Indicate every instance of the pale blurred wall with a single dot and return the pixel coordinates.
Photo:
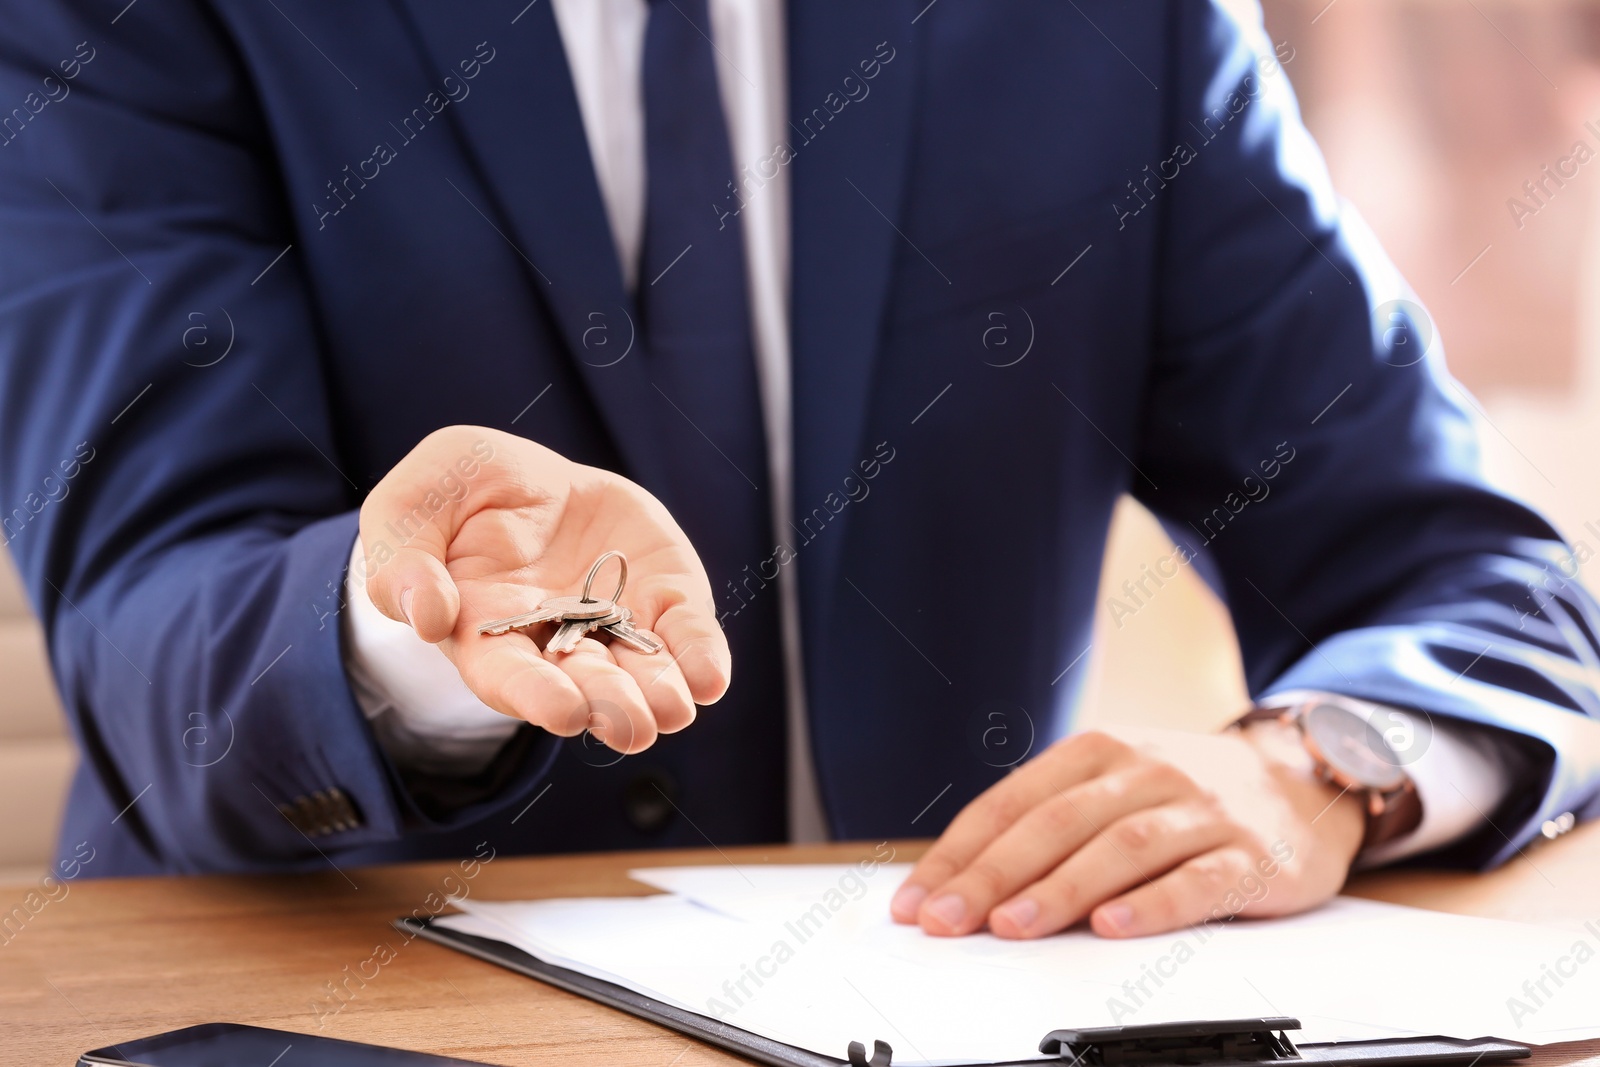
(36, 755)
(1432, 114)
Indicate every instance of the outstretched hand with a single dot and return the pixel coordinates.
(475, 524)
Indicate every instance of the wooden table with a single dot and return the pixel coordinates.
(118, 959)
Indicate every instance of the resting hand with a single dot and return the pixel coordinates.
(1140, 834)
(475, 525)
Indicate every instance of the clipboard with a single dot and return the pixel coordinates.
(1224, 1043)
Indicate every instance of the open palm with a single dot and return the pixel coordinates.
(525, 525)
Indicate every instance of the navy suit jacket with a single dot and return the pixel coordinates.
(1043, 254)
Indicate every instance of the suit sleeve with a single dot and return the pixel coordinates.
(1305, 435)
(169, 471)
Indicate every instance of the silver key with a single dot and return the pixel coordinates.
(504, 626)
(568, 634)
(571, 631)
(637, 640)
(578, 616)
(555, 610)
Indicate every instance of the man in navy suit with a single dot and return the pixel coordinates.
(333, 331)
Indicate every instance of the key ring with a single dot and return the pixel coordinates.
(622, 578)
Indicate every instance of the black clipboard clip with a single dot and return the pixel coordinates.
(1250, 1042)
(1230, 1041)
(1234, 1043)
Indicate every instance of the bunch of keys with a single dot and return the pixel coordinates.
(578, 616)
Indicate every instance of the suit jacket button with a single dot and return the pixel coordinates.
(648, 801)
(322, 812)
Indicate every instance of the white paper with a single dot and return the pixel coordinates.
(809, 956)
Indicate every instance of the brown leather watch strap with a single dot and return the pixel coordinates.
(1400, 812)
(1261, 713)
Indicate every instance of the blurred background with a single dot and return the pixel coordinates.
(1433, 115)
(1437, 117)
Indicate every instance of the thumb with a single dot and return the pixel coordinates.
(407, 523)
(413, 587)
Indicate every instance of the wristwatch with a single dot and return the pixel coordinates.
(1346, 750)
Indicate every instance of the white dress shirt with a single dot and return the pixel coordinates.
(424, 715)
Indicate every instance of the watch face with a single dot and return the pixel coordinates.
(1352, 748)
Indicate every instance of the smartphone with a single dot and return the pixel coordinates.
(235, 1045)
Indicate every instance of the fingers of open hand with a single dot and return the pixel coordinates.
(662, 683)
(568, 693)
(1135, 850)
(1062, 768)
(698, 648)
(509, 674)
(1214, 885)
(1060, 826)
(618, 713)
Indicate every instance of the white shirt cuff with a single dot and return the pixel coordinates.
(1460, 775)
(423, 714)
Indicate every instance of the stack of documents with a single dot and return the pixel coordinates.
(808, 955)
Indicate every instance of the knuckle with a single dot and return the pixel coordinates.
(1133, 834)
(1110, 788)
(1167, 777)
(1064, 893)
(989, 877)
(1114, 792)
(1003, 806)
(1097, 743)
(1060, 816)
(1161, 904)
(1211, 873)
(936, 867)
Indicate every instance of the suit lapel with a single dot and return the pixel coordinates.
(847, 182)
(524, 131)
(523, 128)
